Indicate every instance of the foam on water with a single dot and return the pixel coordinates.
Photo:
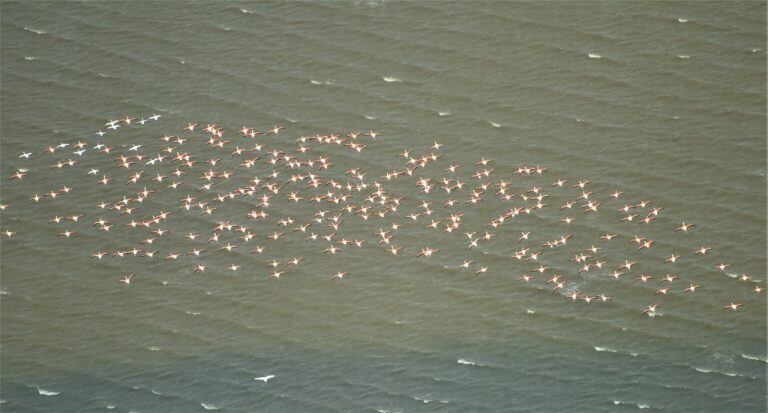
(48, 392)
(594, 56)
(390, 79)
(207, 406)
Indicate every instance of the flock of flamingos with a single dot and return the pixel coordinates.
(204, 184)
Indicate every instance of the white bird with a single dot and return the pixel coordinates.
(264, 378)
(25, 155)
(127, 279)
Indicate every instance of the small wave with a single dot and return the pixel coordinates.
(608, 349)
(444, 113)
(3, 292)
(156, 392)
(207, 406)
(192, 312)
(35, 31)
(495, 125)
(684, 56)
(244, 11)
(729, 374)
(682, 20)
(422, 400)
(370, 117)
(390, 79)
(29, 58)
(321, 82)
(467, 362)
(48, 392)
(594, 56)
(530, 312)
(638, 405)
(153, 348)
(756, 358)
(110, 406)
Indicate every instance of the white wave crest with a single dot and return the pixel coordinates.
(207, 406)
(594, 56)
(48, 392)
(638, 405)
(467, 362)
(390, 79)
(756, 358)
(29, 29)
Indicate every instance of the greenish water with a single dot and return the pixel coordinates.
(663, 101)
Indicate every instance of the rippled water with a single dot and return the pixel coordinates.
(665, 101)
